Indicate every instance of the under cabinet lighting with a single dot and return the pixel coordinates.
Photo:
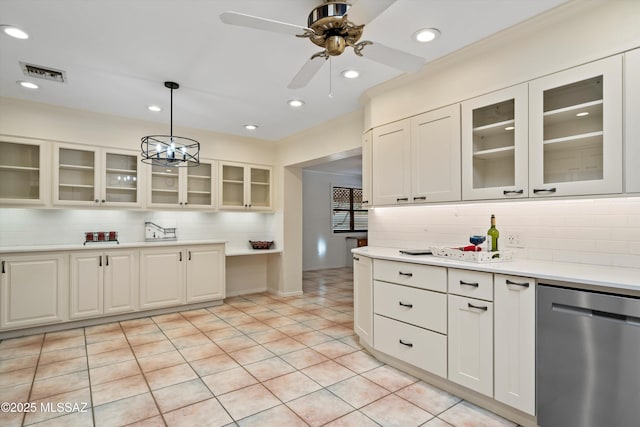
(14, 32)
(28, 85)
(426, 35)
(584, 113)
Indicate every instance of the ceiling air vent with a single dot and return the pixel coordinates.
(39, 72)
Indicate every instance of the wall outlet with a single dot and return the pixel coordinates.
(514, 240)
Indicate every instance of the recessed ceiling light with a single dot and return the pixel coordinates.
(584, 113)
(350, 74)
(28, 85)
(154, 108)
(251, 127)
(426, 35)
(14, 32)
(295, 103)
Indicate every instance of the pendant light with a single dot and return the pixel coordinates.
(170, 150)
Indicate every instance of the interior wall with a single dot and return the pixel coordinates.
(321, 248)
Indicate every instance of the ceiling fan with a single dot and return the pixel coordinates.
(333, 26)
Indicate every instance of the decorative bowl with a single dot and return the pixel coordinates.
(261, 244)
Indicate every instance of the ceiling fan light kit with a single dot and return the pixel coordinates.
(170, 150)
(333, 26)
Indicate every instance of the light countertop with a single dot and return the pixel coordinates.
(99, 246)
(585, 274)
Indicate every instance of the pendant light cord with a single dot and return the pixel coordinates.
(171, 116)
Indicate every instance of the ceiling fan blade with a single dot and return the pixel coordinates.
(365, 11)
(392, 57)
(243, 20)
(308, 70)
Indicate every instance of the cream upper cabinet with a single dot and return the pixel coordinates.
(367, 199)
(391, 160)
(515, 342)
(33, 290)
(363, 298)
(23, 171)
(575, 133)
(494, 145)
(417, 160)
(92, 176)
(245, 187)
(632, 121)
(185, 187)
(435, 156)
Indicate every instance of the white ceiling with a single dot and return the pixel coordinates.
(118, 53)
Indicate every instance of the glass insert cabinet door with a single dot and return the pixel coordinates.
(77, 176)
(121, 178)
(200, 185)
(576, 131)
(21, 172)
(260, 197)
(494, 145)
(245, 187)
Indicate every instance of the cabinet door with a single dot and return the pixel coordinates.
(22, 171)
(363, 298)
(232, 186)
(470, 343)
(205, 273)
(120, 281)
(366, 169)
(121, 179)
(435, 156)
(514, 348)
(575, 134)
(77, 175)
(33, 290)
(391, 159)
(86, 284)
(258, 188)
(495, 145)
(631, 122)
(199, 183)
(161, 277)
(163, 186)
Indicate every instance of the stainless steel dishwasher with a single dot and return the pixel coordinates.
(588, 358)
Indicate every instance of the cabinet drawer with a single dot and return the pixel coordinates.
(419, 347)
(416, 275)
(474, 284)
(416, 306)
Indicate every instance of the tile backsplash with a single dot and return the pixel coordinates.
(602, 231)
(27, 227)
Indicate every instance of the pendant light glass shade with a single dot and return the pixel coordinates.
(170, 150)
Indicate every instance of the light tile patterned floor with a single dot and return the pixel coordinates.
(257, 360)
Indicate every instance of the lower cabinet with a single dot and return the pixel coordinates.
(178, 275)
(471, 343)
(363, 298)
(102, 283)
(33, 290)
(514, 347)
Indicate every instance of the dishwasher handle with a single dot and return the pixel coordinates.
(587, 312)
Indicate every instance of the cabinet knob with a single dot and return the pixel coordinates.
(104, 201)
(97, 201)
(356, 258)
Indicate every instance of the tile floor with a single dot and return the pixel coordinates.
(256, 360)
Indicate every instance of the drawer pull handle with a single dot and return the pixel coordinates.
(405, 304)
(100, 262)
(402, 199)
(475, 284)
(544, 190)
(420, 198)
(523, 285)
(408, 344)
(356, 258)
(365, 202)
(508, 192)
(477, 307)
(405, 274)
(3, 270)
(107, 259)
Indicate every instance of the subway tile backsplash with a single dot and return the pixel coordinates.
(603, 231)
(27, 227)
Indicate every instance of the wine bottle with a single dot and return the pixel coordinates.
(492, 236)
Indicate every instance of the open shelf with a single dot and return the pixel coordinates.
(574, 142)
(494, 128)
(495, 153)
(75, 186)
(18, 168)
(76, 167)
(566, 114)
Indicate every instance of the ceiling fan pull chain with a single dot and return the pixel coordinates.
(330, 78)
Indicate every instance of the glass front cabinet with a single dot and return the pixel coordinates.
(494, 145)
(575, 134)
(23, 171)
(184, 187)
(92, 176)
(245, 187)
